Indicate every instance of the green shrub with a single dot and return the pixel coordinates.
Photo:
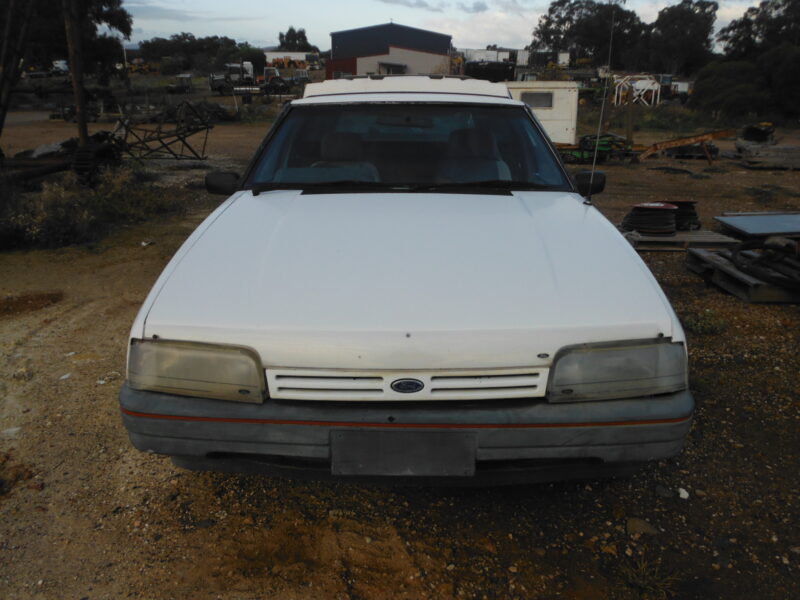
(66, 212)
(673, 117)
(780, 69)
(648, 578)
(731, 89)
(704, 323)
(669, 116)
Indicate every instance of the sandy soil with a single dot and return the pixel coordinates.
(84, 515)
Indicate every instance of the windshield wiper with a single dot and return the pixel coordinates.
(498, 184)
(319, 186)
(343, 185)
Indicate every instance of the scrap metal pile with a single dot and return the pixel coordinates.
(758, 149)
(610, 146)
(607, 146)
(168, 137)
(104, 149)
(755, 147)
(694, 146)
(758, 260)
(144, 137)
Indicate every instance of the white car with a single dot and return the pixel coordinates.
(407, 284)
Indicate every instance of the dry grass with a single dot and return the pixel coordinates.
(66, 212)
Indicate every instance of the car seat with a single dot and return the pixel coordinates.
(343, 150)
(472, 155)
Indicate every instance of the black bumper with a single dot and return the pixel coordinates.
(510, 440)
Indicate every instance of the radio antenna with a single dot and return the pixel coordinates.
(603, 105)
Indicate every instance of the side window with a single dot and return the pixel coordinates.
(542, 167)
(538, 99)
(273, 161)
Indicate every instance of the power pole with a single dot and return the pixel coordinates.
(12, 47)
(72, 25)
(629, 108)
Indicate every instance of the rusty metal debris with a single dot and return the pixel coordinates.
(608, 146)
(766, 156)
(103, 149)
(167, 137)
(701, 139)
(164, 139)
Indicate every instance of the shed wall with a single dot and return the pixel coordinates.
(415, 62)
(375, 40)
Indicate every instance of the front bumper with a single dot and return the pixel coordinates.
(510, 440)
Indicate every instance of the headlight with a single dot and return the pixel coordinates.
(607, 371)
(193, 369)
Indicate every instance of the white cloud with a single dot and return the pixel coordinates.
(147, 11)
(507, 23)
(476, 7)
(512, 6)
(728, 9)
(416, 4)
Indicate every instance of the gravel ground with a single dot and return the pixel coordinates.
(83, 515)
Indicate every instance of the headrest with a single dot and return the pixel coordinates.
(341, 146)
(472, 143)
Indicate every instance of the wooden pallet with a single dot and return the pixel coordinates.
(682, 240)
(718, 269)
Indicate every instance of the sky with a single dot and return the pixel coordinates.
(472, 23)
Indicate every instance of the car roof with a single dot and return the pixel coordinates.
(413, 98)
(406, 84)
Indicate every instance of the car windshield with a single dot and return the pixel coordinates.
(407, 145)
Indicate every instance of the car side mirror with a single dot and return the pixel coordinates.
(588, 185)
(222, 182)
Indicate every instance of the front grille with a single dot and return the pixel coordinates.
(313, 384)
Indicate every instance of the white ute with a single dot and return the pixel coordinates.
(406, 284)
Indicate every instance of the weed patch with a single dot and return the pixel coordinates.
(66, 212)
(704, 323)
(648, 579)
(668, 117)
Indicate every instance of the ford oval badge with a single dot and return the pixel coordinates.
(407, 386)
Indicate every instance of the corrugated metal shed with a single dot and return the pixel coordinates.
(376, 39)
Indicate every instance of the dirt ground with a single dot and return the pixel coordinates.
(85, 516)
(29, 129)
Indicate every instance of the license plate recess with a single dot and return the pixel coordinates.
(403, 453)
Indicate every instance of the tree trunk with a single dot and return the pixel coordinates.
(11, 54)
(71, 24)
